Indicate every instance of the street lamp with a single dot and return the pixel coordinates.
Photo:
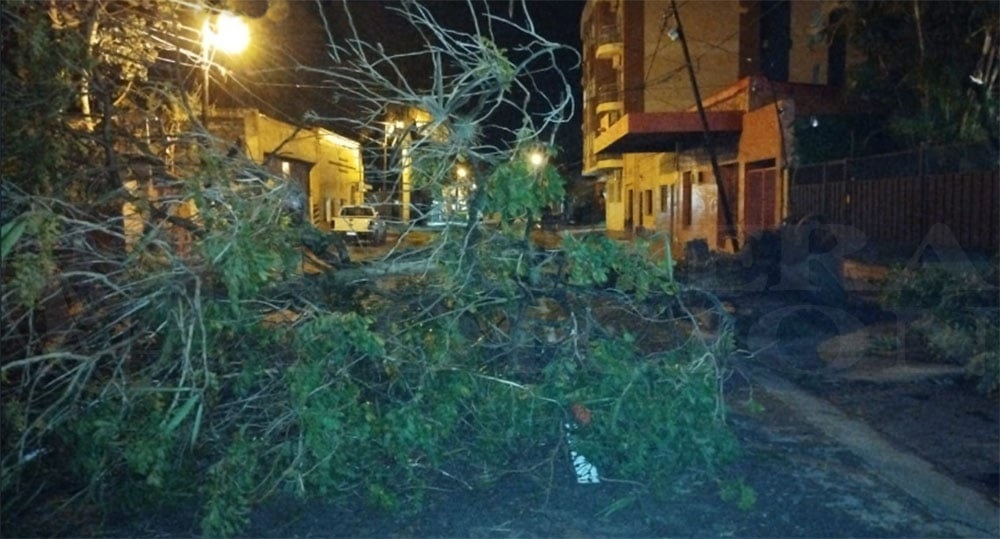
(230, 35)
(536, 158)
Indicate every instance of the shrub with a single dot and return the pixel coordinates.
(957, 314)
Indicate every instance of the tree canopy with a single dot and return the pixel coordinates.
(919, 62)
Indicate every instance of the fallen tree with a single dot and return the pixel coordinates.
(149, 363)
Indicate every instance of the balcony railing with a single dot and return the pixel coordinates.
(609, 42)
(609, 99)
(609, 92)
(609, 33)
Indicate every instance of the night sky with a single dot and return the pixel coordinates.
(287, 33)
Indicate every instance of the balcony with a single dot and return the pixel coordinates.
(608, 161)
(609, 99)
(597, 164)
(609, 42)
(660, 131)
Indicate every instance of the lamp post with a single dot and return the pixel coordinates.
(230, 35)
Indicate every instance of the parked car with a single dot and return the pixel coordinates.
(361, 223)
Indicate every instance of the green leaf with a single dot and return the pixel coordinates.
(616, 506)
(10, 233)
(180, 414)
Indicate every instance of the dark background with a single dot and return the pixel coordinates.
(288, 38)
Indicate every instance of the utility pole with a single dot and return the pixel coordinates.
(723, 196)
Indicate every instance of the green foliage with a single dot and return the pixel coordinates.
(509, 420)
(518, 190)
(38, 146)
(599, 260)
(11, 233)
(958, 315)
(135, 443)
(919, 57)
(494, 64)
(30, 261)
(652, 417)
(182, 357)
(739, 493)
(333, 413)
(230, 490)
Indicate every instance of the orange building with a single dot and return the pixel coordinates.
(763, 69)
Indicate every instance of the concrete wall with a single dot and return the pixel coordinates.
(713, 30)
(761, 136)
(614, 199)
(335, 170)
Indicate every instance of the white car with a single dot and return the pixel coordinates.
(359, 222)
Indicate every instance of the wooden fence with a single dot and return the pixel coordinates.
(905, 199)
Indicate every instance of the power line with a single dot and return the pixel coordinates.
(710, 45)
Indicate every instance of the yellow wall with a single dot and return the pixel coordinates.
(615, 199)
(713, 28)
(337, 174)
(644, 169)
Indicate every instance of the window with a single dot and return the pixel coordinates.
(664, 198)
(648, 201)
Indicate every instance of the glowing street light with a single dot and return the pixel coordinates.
(230, 35)
(536, 158)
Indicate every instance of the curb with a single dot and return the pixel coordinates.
(938, 493)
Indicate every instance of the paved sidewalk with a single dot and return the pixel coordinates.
(956, 511)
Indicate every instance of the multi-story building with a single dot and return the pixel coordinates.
(763, 68)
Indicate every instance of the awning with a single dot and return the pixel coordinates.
(660, 131)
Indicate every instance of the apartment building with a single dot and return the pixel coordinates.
(763, 68)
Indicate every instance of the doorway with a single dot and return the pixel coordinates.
(761, 197)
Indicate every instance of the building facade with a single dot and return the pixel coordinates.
(327, 166)
(763, 69)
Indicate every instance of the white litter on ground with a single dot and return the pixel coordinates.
(586, 473)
